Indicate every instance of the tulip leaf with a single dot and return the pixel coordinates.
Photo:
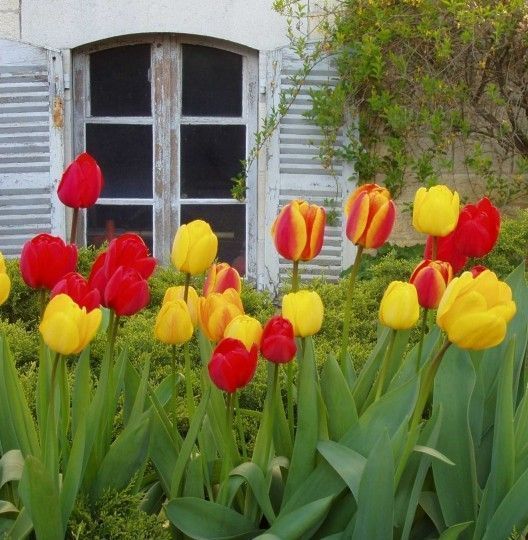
(194, 477)
(376, 490)
(11, 467)
(202, 519)
(7, 507)
(454, 531)
(22, 526)
(82, 389)
(433, 453)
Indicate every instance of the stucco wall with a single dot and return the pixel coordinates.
(70, 23)
(10, 19)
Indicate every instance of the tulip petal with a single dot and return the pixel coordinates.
(5, 287)
(60, 333)
(180, 247)
(357, 218)
(478, 331)
(381, 226)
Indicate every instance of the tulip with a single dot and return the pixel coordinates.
(304, 309)
(474, 311)
(66, 328)
(5, 282)
(278, 342)
(232, 366)
(477, 229)
(194, 248)
(78, 289)
(370, 215)
(431, 279)
(126, 292)
(173, 323)
(178, 293)
(399, 308)
(435, 210)
(81, 182)
(217, 310)
(221, 277)
(246, 329)
(447, 250)
(478, 269)
(45, 260)
(298, 230)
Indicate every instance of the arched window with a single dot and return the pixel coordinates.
(169, 119)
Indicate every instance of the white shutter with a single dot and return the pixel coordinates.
(31, 143)
(295, 170)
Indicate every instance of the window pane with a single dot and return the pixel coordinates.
(210, 157)
(229, 224)
(124, 153)
(212, 82)
(105, 222)
(119, 81)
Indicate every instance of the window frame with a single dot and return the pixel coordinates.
(166, 119)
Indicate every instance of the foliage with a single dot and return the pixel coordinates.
(428, 81)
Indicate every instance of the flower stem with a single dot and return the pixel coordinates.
(188, 382)
(422, 336)
(174, 402)
(426, 384)
(348, 305)
(240, 428)
(289, 368)
(42, 301)
(295, 276)
(75, 221)
(385, 365)
(186, 289)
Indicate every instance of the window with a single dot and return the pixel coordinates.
(169, 119)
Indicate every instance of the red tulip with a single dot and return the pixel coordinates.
(232, 366)
(477, 229)
(478, 269)
(370, 215)
(81, 182)
(221, 277)
(45, 260)
(298, 230)
(126, 292)
(278, 342)
(78, 289)
(431, 279)
(447, 251)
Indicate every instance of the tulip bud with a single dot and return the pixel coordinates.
(304, 309)
(232, 366)
(298, 230)
(126, 292)
(178, 293)
(81, 182)
(79, 290)
(194, 248)
(431, 279)
(66, 328)
(246, 329)
(370, 215)
(173, 323)
(474, 311)
(5, 282)
(45, 260)
(221, 277)
(435, 210)
(399, 308)
(278, 343)
(217, 310)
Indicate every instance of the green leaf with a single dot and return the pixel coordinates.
(11, 467)
(455, 531)
(337, 398)
(347, 463)
(37, 486)
(433, 453)
(7, 507)
(139, 401)
(201, 519)
(376, 491)
(82, 389)
(22, 526)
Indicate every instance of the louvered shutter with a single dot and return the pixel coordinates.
(31, 143)
(295, 171)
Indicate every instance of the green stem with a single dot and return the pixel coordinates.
(385, 365)
(240, 428)
(186, 288)
(75, 221)
(51, 446)
(42, 301)
(188, 381)
(295, 277)
(113, 326)
(422, 336)
(426, 385)
(174, 401)
(227, 464)
(289, 396)
(348, 305)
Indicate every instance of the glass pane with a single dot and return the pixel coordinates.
(212, 82)
(210, 157)
(119, 81)
(229, 224)
(105, 222)
(124, 153)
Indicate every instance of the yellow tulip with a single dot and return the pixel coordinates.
(5, 282)
(217, 310)
(474, 311)
(304, 309)
(177, 293)
(173, 323)
(246, 329)
(194, 248)
(436, 210)
(66, 328)
(399, 307)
